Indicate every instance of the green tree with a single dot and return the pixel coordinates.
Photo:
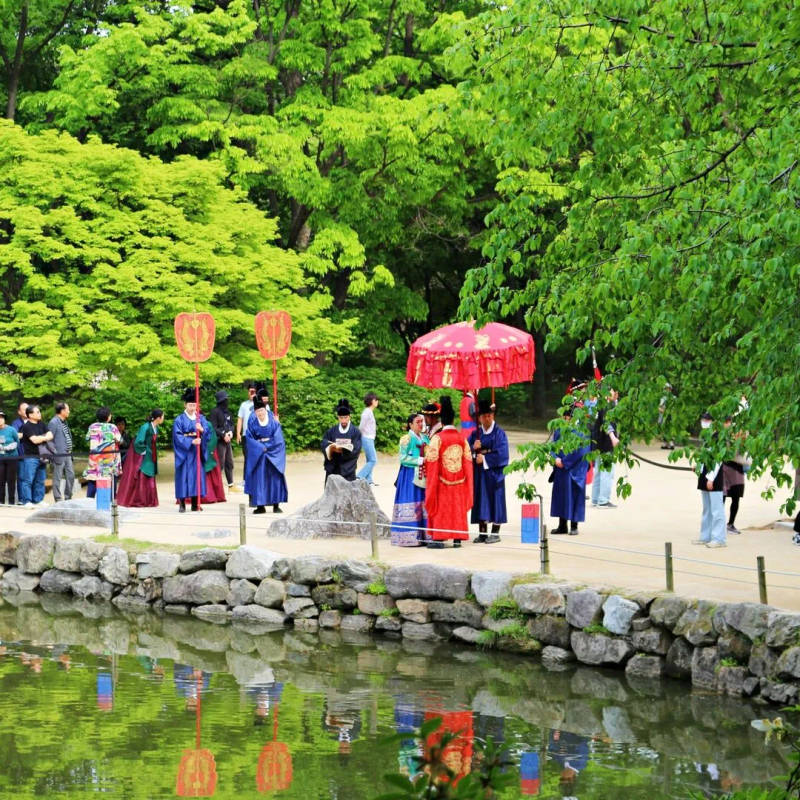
(100, 248)
(649, 194)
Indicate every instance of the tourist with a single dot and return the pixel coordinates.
(264, 477)
(369, 430)
(796, 529)
(32, 470)
(221, 420)
(709, 483)
(467, 412)
(125, 441)
(433, 423)
(489, 446)
(448, 492)
(190, 434)
(137, 486)
(733, 473)
(604, 439)
(568, 500)
(103, 437)
(242, 417)
(9, 442)
(17, 424)
(215, 491)
(341, 444)
(408, 513)
(62, 461)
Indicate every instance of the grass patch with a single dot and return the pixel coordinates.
(505, 608)
(390, 612)
(376, 587)
(486, 640)
(515, 631)
(730, 662)
(597, 627)
(142, 546)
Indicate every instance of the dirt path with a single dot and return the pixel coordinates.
(664, 507)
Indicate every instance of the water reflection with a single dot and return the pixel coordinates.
(154, 707)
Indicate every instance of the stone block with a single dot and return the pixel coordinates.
(596, 648)
(696, 624)
(114, 566)
(762, 660)
(783, 630)
(652, 640)
(56, 580)
(556, 658)
(35, 553)
(67, 555)
(15, 580)
(647, 667)
(374, 603)
(157, 564)
(414, 610)
(678, 663)
(330, 619)
(358, 575)
(540, 598)
(618, 613)
(788, 665)
(268, 618)
(335, 595)
(730, 680)
(428, 631)
(750, 619)
(490, 585)
(459, 612)
(199, 588)
(218, 613)
(313, 570)
(667, 610)
(427, 581)
(705, 665)
(270, 593)
(306, 625)
(241, 592)
(90, 556)
(300, 607)
(206, 558)
(550, 630)
(357, 623)
(388, 624)
(584, 608)
(251, 563)
(298, 590)
(8, 548)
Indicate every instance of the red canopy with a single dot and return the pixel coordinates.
(460, 357)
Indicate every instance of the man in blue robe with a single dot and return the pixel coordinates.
(264, 479)
(189, 430)
(568, 500)
(489, 445)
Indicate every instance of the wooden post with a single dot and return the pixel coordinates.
(762, 579)
(114, 518)
(668, 566)
(242, 524)
(544, 551)
(373, 533)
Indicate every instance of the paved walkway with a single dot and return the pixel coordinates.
(623, 547)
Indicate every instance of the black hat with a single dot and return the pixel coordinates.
(343, 408)
(259, 403)
(189, 395)
(486, 407)
(432, 408)
(221, 396)
(447, 415)
(706, 415)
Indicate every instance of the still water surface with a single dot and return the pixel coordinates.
(92, 702)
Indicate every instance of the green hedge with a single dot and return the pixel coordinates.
(306, 406)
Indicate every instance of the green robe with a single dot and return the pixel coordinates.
(145, 445)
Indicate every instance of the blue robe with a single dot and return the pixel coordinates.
(264, 479)
(569, 484)
(183, 431)
(488, 479)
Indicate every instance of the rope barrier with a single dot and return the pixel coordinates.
(659, 464)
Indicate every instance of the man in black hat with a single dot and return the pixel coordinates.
(189, 430)
(433, 418)
(489, 445)
(221, 420)
(341, 445)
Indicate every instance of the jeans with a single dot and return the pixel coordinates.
(712, 523)
(368, 446)
(31, 480)
(66, 473)
(602, 484)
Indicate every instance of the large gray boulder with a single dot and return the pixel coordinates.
(784, 629)
(762, 660)
(705, 667)
(459, 612)
(199, 588)
(652, 640)
(157, 565)
(788, 665)
(56, 580)
(696, 624)
(90, 557)
(540, 598)
(357, 623)
(427, 581)
(300, 607)
(597, 648)
(207, 558)
(35, 553)
(618, 613)
(67, 555)
(241, 592)
(115, 567)
(583, 607)
(252, 563)
(647, 667)
(490, 585)
(8, 548)
(343, 510)
(374, 604)
(556, 658)
(550, 629)
(666, 611)
(90, 587)
(335, 595)
(268, 618)
(414, 610)
(270, 593)
(216, 613)
(73, 512)
(751, 619)
(15, 580)
(678, 663)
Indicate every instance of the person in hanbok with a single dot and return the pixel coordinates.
(137, 486)
(408, 513)
(190, 435)
(489, 445)
(103, 438)
(215, 492)
(341, 444)
(568, 501)
(448, 492)
(264, 479)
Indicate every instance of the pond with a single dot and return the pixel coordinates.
(163, 706)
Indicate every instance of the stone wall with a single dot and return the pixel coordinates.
(739, 649)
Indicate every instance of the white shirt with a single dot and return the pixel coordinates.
(367, 425)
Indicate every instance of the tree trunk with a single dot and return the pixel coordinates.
(15, 70)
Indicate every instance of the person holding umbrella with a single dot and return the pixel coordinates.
(190, 435)
(489, 445)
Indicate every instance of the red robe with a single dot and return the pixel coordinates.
(448, 495)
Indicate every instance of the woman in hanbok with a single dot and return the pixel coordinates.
(137, 486)
(103, 438)
(409, 519)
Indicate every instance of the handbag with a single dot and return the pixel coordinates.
(46, 452)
